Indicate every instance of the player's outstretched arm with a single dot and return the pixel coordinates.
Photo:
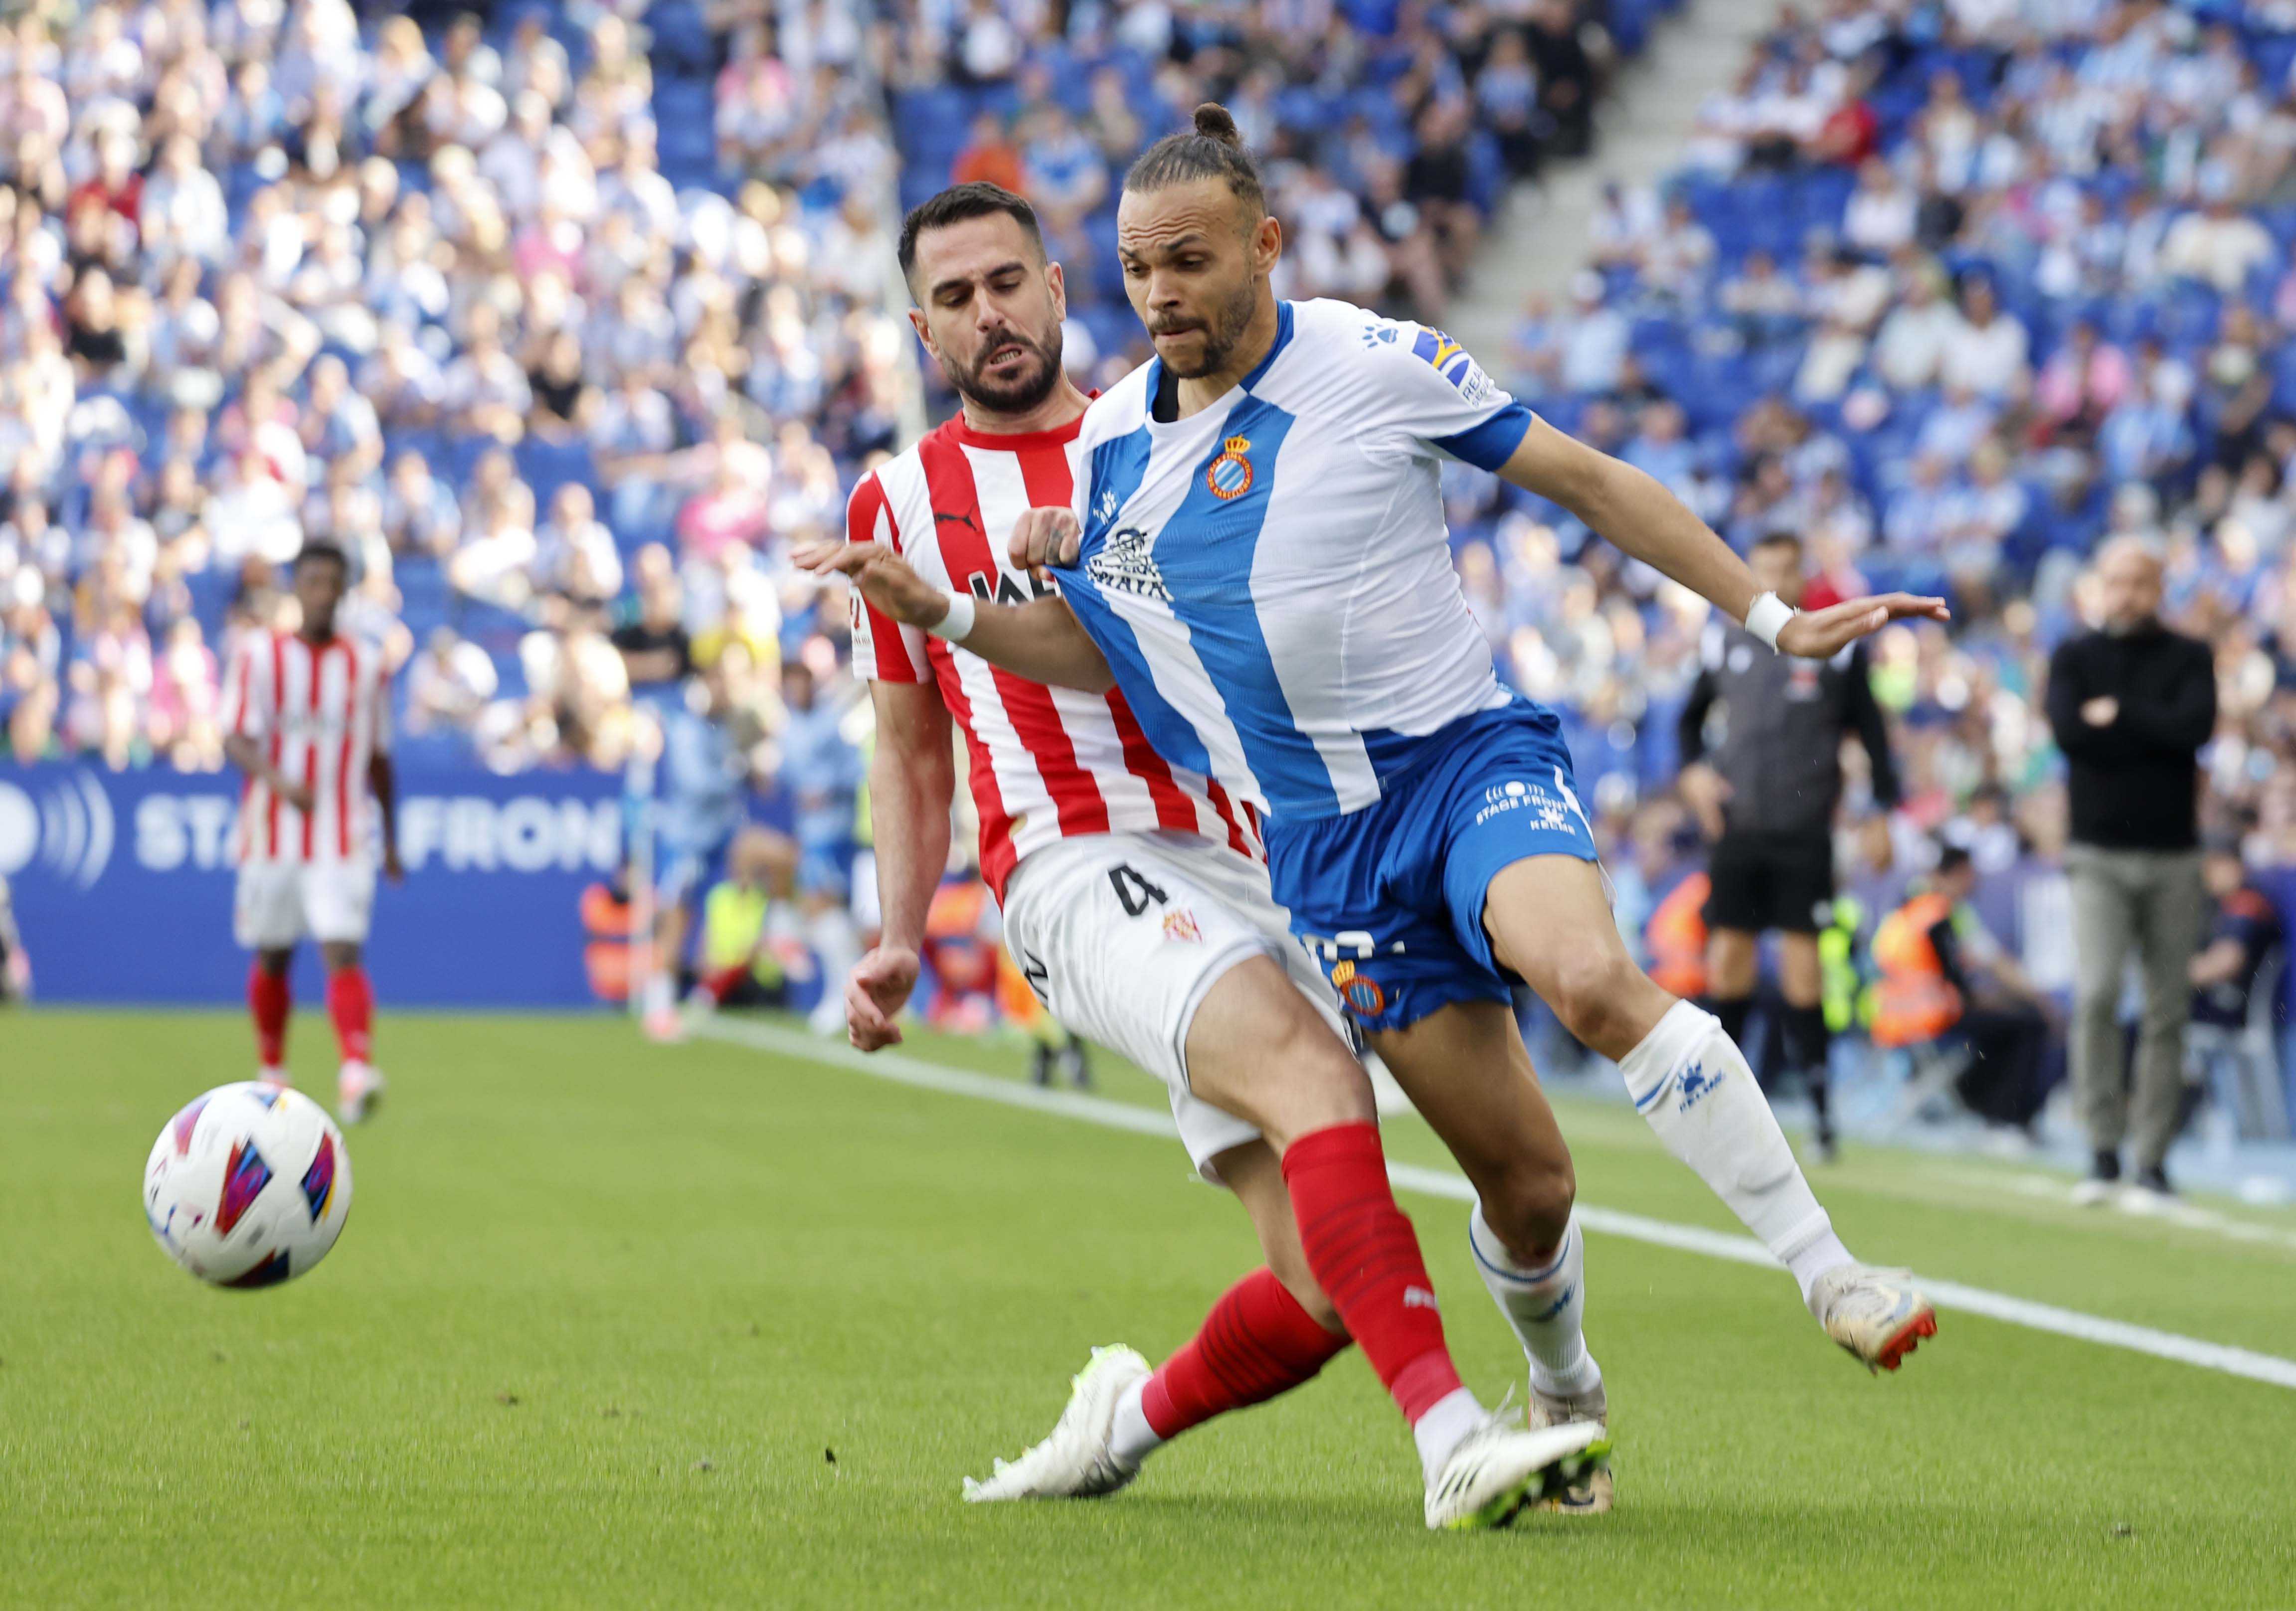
(1041, 640)
(1640, 517)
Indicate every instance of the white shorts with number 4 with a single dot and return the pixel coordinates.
(1123, 934)
(281, 903)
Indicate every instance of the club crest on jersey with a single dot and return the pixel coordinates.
(1229, 476)
(1358, 990)
(1180, 924)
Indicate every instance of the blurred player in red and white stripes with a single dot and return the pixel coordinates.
(306, 716)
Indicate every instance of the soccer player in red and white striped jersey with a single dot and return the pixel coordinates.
(1136, 902)
(306, 716)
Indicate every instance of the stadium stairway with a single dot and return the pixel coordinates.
(1540, 240)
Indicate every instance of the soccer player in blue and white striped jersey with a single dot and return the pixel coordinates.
(1257, 551)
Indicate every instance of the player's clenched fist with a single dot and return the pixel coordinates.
(1045, 536)
(885, 579)
(875, 994)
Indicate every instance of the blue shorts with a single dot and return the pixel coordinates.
(1390, 898)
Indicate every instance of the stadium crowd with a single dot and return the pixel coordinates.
(570, 321)
(483, 305)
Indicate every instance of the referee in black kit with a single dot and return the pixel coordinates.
(1765, 791)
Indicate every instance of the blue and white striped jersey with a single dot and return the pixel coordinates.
(1271, 580)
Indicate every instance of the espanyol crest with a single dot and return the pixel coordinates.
(1229, 476)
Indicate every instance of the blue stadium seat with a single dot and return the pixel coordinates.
(682, 40)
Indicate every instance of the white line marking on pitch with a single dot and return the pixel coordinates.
(903, 1070)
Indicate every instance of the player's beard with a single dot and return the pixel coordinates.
(1221, 333)
(1016, 396)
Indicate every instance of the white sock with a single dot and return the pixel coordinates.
(1693, 1086)
(1444, 1427)
(1132, 1439)
(661, 994)
(1545, 1306)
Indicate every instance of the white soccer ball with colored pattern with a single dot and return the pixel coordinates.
(248, 1185)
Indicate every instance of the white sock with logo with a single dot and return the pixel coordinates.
(1691, 1085)
(1546, 1305)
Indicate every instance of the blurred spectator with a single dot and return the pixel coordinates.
(823, 772)
(575, 553)
(449, 685)
(655, 645)
(2233, 1053)
(419, 512)
(1944, 974)
(990, 157)
(703, 772)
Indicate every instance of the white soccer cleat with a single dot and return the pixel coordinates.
(1075, 1462)
(1500, 1470)
(1589, 1492)
(1878, 1315)
(357, 1090)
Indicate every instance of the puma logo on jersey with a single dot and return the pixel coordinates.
(961, 518)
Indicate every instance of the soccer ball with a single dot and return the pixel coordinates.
(249, 1186)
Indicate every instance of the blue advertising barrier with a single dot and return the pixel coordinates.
(122, 884)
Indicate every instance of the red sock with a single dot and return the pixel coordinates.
(350, 1002)
(724, 982)
(1256, 1343)
(1366, 1258)
(267, 1001)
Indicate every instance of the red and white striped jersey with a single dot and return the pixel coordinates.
(322, 711)
(1046, 762)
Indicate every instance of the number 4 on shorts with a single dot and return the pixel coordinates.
(1134, 890)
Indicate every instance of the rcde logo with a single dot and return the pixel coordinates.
(69, 830)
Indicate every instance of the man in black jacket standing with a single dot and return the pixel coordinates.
(1765, 793)
(2131, 706)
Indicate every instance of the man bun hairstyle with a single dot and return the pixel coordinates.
(1211, 149)
(1215, 122)
(959, 203)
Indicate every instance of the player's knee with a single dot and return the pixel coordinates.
(1529, 1206)
(1316, 1081)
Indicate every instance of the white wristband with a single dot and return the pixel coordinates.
(1767, 617)
(956, 625)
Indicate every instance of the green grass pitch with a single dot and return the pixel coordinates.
(614, 1324)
